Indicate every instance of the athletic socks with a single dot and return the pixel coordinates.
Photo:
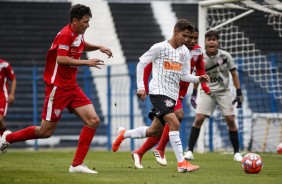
(234, 140)
(164, 139)
(194, 134)
(137, 133)
(148, 144)
(22, 135)
(84, 142)
(176, 144)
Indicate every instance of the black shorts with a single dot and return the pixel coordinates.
(163, 105)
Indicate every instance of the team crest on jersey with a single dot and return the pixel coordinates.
(57, 112)
(168, 103)
(77, 41)
(220, 61)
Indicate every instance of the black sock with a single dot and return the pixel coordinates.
(194, 134)
(234, 140)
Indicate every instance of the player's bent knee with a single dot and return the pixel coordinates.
(93, 122)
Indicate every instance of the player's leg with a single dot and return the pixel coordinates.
(32, 132)
(3, 125)
(159, 152)
(154, 130)
(205, 107)
(225, 104)
(175, 141)
(91, 121)
(3, 111)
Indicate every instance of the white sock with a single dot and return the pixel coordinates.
(137, 133)
(176, 144)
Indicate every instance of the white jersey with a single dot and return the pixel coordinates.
(169, 67)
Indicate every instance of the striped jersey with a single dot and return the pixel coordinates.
(66, 43)
(6, 72)
(169, 66)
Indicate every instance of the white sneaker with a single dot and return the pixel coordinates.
(137, 160)
(160, 157)
(238, 157)
(81, 169)
(189, 155)
(3, 143)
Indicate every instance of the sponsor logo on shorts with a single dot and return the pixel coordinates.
(168, 103)
(57, 112)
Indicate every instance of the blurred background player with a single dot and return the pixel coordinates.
(62, 90)
(7, 96)
(197, 63)
(218, 65)
(170, 65)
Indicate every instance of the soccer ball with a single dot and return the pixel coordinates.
(252, 163)
(279, 148)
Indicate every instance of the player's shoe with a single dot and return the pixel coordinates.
(119, 139)
(137, 160)
(186, 166)
(189, 155)
(81, 169)
(4, 145)
(160, 157)
(238, 157)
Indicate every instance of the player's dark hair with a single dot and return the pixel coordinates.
(212, 33)
(78, 11)
(196, 29)
(183, 24)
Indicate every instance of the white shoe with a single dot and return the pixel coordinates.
(137, 160)
(3, 143)
(238, 157)
(189, 155)
(160, 157)
(81, 169)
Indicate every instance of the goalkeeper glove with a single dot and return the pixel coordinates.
(239, 98)
(194, 98)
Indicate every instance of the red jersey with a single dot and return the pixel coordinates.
(66, 43)
(6, 72)
(195, 62)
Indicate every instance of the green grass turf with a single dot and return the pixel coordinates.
(51, 166)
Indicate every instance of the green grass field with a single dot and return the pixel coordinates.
(51, 166)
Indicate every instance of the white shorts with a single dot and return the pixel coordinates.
(206, 104)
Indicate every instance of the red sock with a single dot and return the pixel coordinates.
(164, 139)
(148, 144)
(22, 135)
(84, 142)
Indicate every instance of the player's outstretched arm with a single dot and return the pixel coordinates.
(92, 47)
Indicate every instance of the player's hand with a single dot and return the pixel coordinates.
(11, 99)
(95, 63)
(204, 78)
(141, 94)
(194, 98)
(106, 51)
(239, 98)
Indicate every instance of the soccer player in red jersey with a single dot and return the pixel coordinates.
(197, 63)
(6, 97)
(62, 90)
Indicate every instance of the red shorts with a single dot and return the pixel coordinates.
(178, 104)
(3, 106)
(57, 99)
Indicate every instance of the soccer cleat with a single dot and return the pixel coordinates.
(189, 155)
(137, 160)
(160, 157)
(3, 143)
(238, 157)
(81, 169)
(186, 166)
(119, 139)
